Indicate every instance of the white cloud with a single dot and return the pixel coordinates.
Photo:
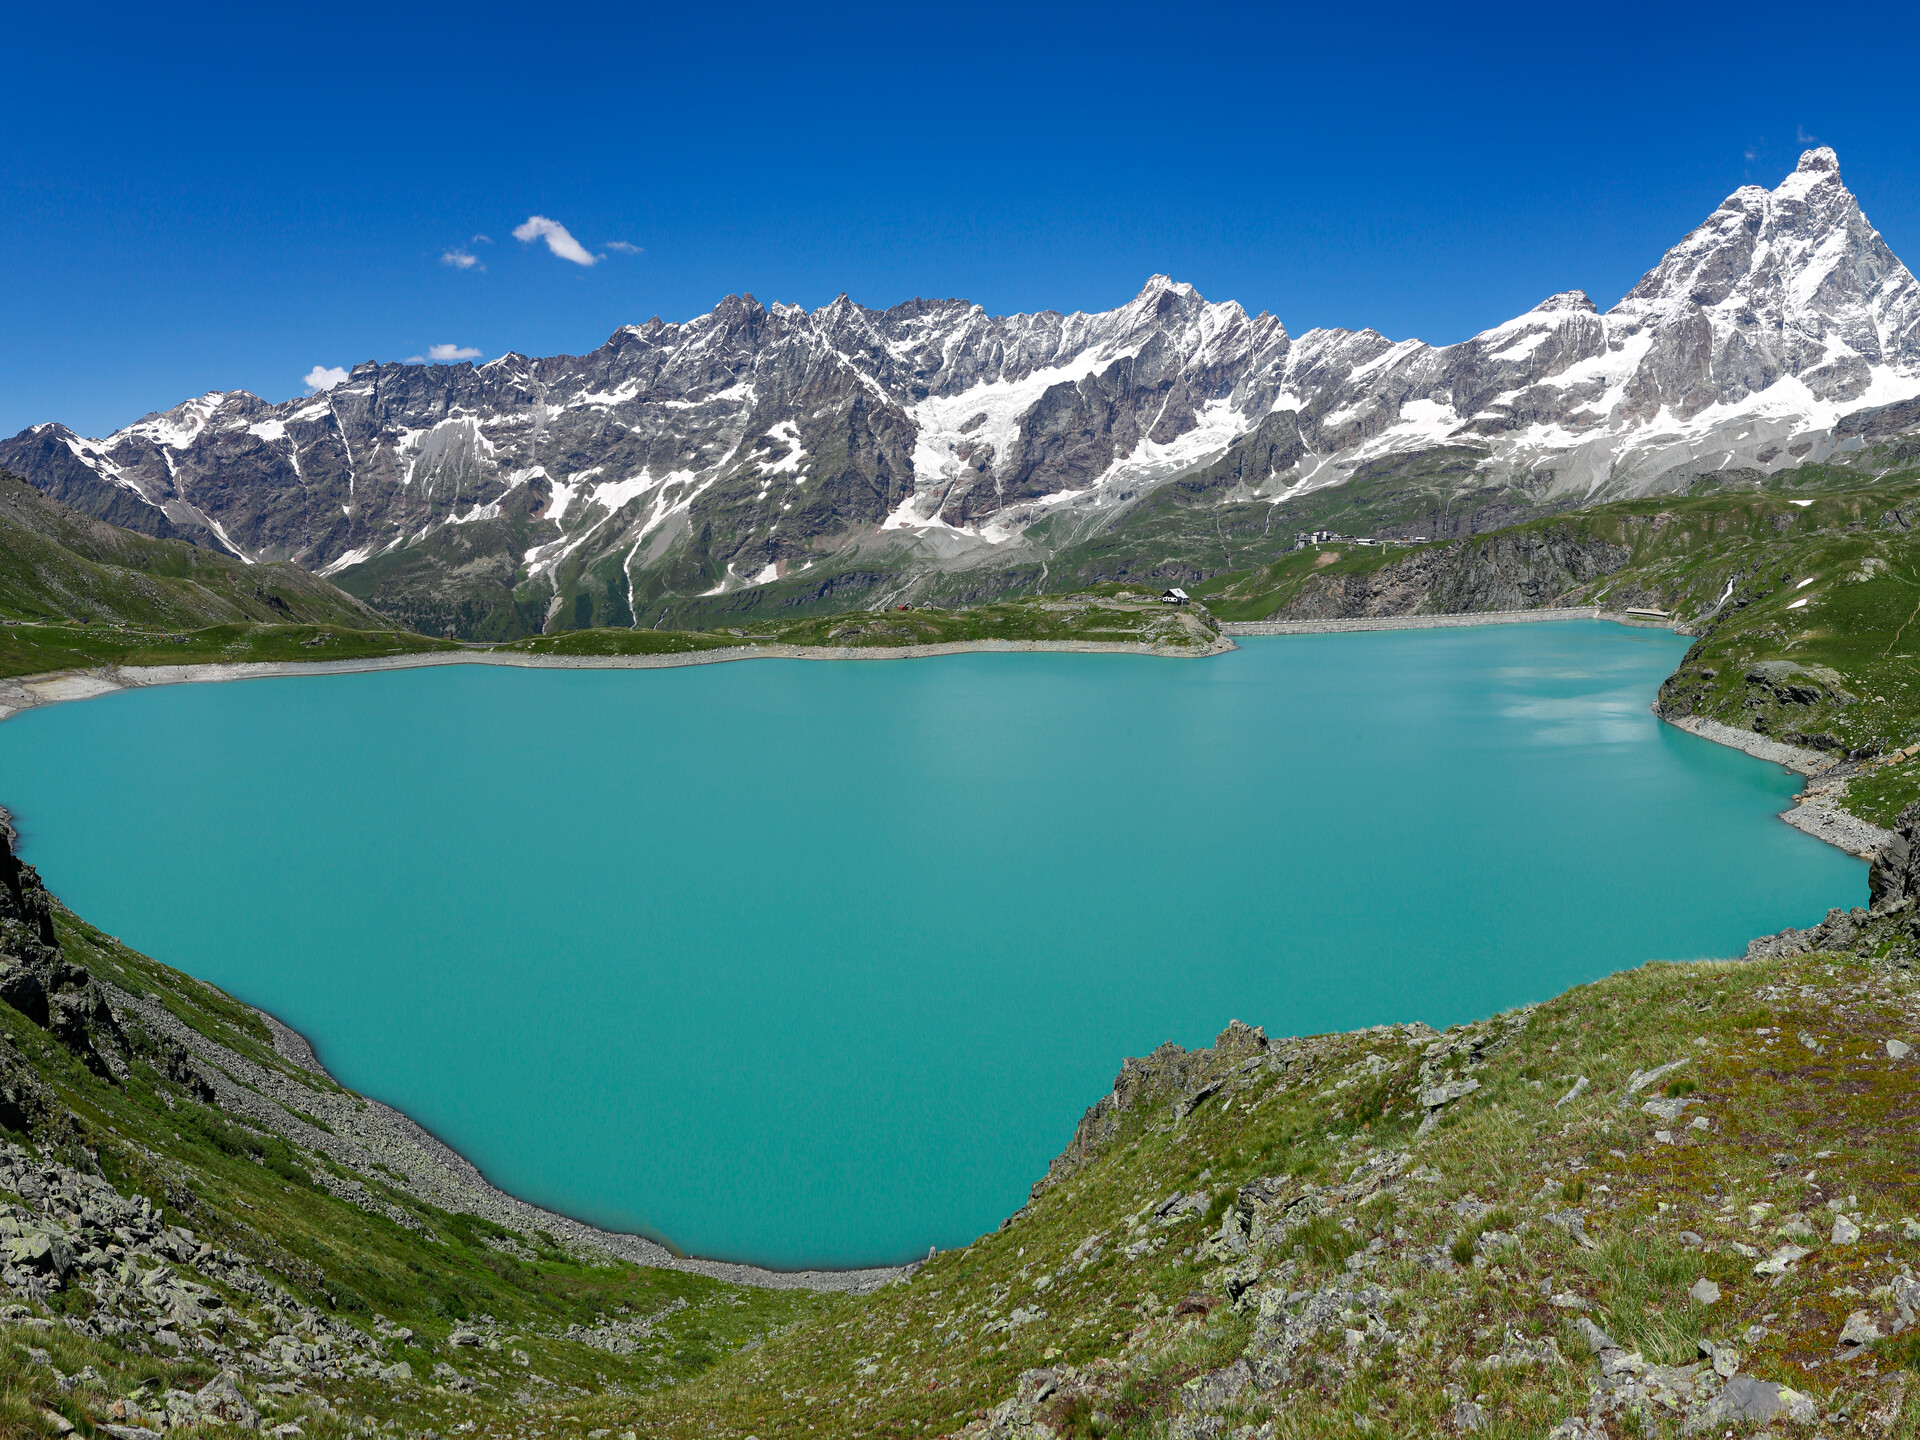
(559, 241)
(452, 352)
(461, 260)
(324, 377)
(623, 248)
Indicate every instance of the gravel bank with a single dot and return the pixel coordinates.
(1817, 810)
(28, 691)
(1435, 622)
(362, 1132)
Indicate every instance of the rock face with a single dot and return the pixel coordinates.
(752, 443)
(1505, 572)
(36, 978)
(1895, 876)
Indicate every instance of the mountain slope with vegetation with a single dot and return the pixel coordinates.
(78, 592)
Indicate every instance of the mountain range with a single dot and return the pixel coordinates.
(759, 457)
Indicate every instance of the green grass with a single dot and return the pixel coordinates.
(35, 649)
(1110, 614)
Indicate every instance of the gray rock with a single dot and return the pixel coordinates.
(1758, 1401)
(1898, 1050)
(1218, 1389)
(1596, 1338)
(1580, 1088)
(1668, 1110)
(1468, 1417)
(1435, 1096)
(1782, 1260)
(1845, 1232)
(221, 1399)
(1860, 1329)
(1895, 874)
(398, 1373)
(1641, 1079)
(1705, 1292)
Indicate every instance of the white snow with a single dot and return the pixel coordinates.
(999, 403)
(349, 558)
(610, 495)
(1806, 582)
(788, 434)
(1798, 603)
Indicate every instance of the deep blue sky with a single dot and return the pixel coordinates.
(209, 197)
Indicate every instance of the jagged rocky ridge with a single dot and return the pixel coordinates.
(753, 444)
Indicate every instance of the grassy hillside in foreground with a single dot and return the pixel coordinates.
(1342, 1235)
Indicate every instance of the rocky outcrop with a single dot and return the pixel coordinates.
(1894, 879)
(36, 978)
(1183, 1078)
(1521, 570)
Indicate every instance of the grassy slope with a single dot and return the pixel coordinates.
(57, 564)
(27, 649)
(926, 1357)
(1109, 614)
(78, 592)
(248, 1191)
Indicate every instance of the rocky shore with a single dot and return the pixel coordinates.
(1816, 809)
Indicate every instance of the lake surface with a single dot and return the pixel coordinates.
(819, 964)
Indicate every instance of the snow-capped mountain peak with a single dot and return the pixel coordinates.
(746, 443)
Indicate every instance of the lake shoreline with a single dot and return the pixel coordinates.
(29, 692)
(1816, 810)
(453, 1178)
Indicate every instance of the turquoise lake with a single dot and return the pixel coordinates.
(815, 963)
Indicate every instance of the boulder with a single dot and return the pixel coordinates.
(1860, 1329)
(220, 1399)
(1758, 1401)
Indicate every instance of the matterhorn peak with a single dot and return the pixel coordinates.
(1820, 158)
